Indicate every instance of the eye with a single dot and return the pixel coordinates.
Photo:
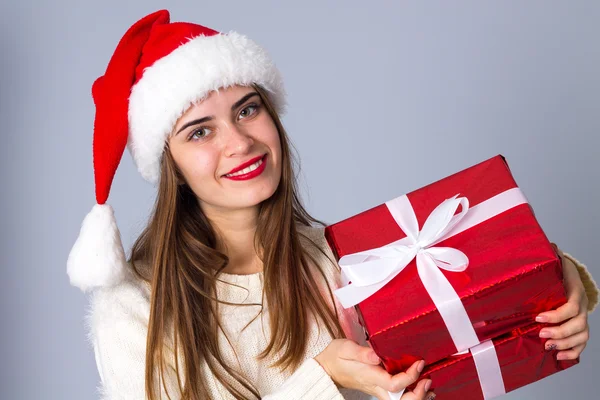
(248, 111)
(198, 134)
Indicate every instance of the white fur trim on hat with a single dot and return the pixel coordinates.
(97, 258)
(187, 74)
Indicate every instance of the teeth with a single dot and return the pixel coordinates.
(247, 169)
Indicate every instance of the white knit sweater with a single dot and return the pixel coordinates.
(117, 323)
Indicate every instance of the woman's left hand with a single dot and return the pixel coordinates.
(571, 336)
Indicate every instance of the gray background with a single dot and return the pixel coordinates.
(384, 98)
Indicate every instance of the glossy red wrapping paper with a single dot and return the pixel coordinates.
(513, 272)
(522, 358)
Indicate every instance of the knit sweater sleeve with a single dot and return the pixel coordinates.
(117, 324)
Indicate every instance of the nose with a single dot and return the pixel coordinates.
(237, 140)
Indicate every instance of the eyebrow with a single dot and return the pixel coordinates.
(233, 107)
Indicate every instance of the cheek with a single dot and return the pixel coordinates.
(198, 165)
(276, 143)
(270, 137)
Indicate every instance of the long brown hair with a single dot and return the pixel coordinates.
(176, 254)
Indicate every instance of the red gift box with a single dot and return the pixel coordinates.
(522, 360)
(513, 273)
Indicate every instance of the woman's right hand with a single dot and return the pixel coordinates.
(353, 366)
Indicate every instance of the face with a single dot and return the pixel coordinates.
(228, 130)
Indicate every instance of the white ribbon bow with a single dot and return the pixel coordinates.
(392, 259)
(368, 275)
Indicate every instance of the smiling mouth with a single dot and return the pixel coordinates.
(248, 169)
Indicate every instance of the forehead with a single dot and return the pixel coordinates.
(221, 97)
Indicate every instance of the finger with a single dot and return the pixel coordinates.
(422, 388)
(568, 310)
(569, 328)
(568, 342)
(407, 378)
(419, 392)
(571, 354)
(430, 396)
(353, 351)
(377, 376)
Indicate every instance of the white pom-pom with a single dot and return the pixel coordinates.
(97, 258)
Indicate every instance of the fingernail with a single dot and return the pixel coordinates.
(541, 318)
(545, 334)
(420, 366)
(551, 347)
(427, 385)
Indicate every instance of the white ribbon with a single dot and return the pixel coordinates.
(365, 272)
(488, 369)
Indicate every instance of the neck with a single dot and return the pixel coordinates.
(235, 231)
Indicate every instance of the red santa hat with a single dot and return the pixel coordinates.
(158, 70)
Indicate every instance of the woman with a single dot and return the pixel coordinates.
(228, 290)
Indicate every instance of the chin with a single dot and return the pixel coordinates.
(256, 197)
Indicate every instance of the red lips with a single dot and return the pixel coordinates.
(245, 164)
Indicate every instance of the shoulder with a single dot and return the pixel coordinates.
(316, 246)
(311, 231)
(323, 255)
(116, 327)
(126, 302)
(313, 239)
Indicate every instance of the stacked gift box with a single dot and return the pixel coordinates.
(454, 273)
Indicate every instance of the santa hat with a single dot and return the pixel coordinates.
(158, 70)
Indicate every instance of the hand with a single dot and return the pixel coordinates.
(357, 367)
(571, 337)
